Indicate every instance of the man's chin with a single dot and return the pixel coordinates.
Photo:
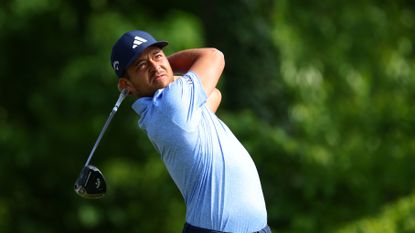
(163, 81)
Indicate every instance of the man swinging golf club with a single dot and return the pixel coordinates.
(213, 171)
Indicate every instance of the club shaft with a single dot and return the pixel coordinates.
(100, 136)
(123, 94)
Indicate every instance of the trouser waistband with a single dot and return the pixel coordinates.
(192, 229)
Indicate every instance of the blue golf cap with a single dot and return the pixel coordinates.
(129, 47)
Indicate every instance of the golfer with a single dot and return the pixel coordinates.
(213, 171)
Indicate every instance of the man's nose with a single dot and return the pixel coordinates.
(154, 64)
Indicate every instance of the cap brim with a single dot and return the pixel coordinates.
(160, 44)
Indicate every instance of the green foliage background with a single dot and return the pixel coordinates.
(320, 93)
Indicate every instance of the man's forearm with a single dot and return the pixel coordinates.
(181, 61)
(207, 63)
(214, 100)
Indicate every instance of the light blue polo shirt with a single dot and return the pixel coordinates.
(213, 171)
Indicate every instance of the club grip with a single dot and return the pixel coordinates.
(123, 94)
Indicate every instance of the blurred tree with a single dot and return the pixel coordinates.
(350, 112)
(242, 30)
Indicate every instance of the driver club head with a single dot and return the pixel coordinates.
(90, 183)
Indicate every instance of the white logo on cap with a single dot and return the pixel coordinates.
(116, 65)
(137, 41)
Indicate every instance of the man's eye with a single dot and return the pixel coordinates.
(158, 55)
(141, 65)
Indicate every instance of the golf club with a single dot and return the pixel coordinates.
(91, 182)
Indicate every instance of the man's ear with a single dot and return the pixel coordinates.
(123, 83)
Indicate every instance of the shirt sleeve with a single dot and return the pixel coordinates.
(184, 100)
